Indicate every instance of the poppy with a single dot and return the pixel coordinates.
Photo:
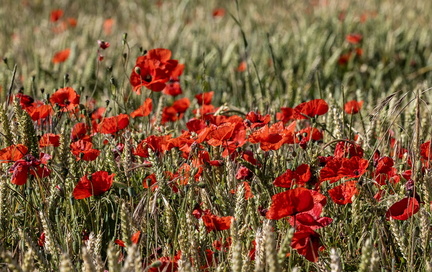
(39, 111)
(218, 12)
(49, 139)
(80, 132)
(93, 185)
(173, 88)
(310, 109)
(55, 15)
(13, 153)
(286, 115)
(243, 173)
(111, 125)
(300, 176)
(66, 98)
(273, 137)
(83, 150)
(136, 237)
(345, 149)
(119, 242)
(144, 110)
(343, 193)
(204, 98)
(103, 44)
(153, 70)
(354, 38)
(312, 218)
(108, 25)
(158, 144)
(257, 120)
(307, 243)
(216, 223)
(150, 182)
(403, 209)
(61, 56)
(29, 165)
(353, 106)
(242, 66)
(290, 203)
(338, 168)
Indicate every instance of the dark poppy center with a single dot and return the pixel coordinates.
(147, 78)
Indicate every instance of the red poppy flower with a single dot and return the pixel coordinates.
(343, 193)
(310, 109)
(80, 132)
(173, 88)
(93, 185)
(108, 25)
(144, 110)
(289, 203)
(354, 38)
(216, 223)
(158, 144)
(111, 125)
(257, 120)
(49, 139)
(56, 15)
(29, 165)
(272, 138)
(12, 153)
(38, 111)
(119, 242)
(312, 218)
(83, 150)
(307, 243)
(136, 237)
(218, 12)
(403, 209)
(204, 98)
(150, 182)
(181, 105)
(299, 176)
(353, 106)
(426, 150)
(338, 168)
(242, 66)
(345, 149)
(66, 98)
(153, 70)
(61, 56)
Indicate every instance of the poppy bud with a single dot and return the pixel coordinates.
(137, 70)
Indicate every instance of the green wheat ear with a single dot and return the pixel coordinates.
(28, 132)
(5, 127)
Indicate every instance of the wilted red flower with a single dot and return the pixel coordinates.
(93, 185)
(111, 125)
(216, 223)
(354, 38)
(144, 110)
(343, 193)
(153, 70)
(243, 173)
(83, 150)
(290, 203)
(353, 106)
(66, 98)
(49, 139)
(56, 15)
(103, 44)
(61, 56)
(300, 176)
(307, 243)
(403, 209)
